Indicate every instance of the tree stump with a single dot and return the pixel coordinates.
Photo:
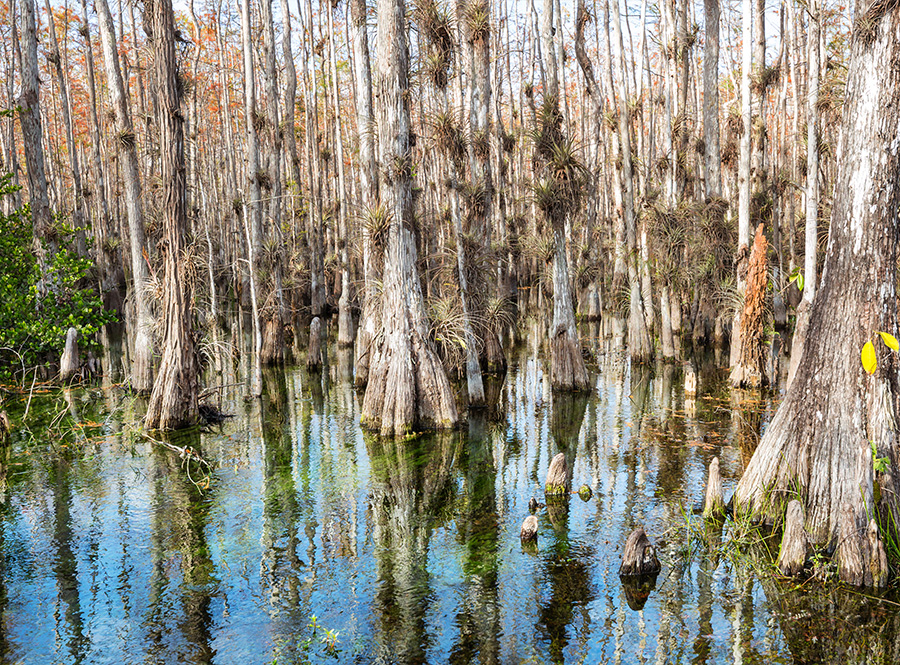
(639, 557)
(68, 364)
(690, 380)
(878, 564)
(529, 529)
(557, 484)
(794, 542)
(714, 506)
(5, 426)
(314, 352)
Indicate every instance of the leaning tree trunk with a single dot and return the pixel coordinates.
(819, 445)
(408, 388)
(141, 333)
(173, 402)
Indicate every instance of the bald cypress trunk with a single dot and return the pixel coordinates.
(74, 166)
(818, 447)
(368, 180)
(140, 328)
(408, 388)
(32, 141)
(712, 154)
(173, 402)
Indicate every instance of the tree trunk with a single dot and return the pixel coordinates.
(32, 142)
(141, 331)
(750, 370)
(743, 176)
(253, 193)
(712, 154)
(817, 447)
(173, 402)
(272, 349)
(368, 180)
(78, 209)
(812, 190)
(638, 335)
(408, 388)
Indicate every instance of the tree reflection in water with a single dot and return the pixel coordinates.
(180, 517)
(410, 491)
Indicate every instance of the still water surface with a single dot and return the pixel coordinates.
(315, 542)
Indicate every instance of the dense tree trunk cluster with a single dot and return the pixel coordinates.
(243, 159)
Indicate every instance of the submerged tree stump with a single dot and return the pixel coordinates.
(68, 364)
(314, 352)
(529, 529)
(557, 484)
(794, 542)
(714, 506)
(639, 557)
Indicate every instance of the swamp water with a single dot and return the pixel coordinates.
(314, 542)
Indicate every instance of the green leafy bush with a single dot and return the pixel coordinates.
(36, 327)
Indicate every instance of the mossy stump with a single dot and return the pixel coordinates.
(557, 484)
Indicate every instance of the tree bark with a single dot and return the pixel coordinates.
(45, 244)
(712, 154)
(141, 333)
(253, 192)
(368, 180)
(743, 175)
(173, 402)
(818, 445)
(408, 388)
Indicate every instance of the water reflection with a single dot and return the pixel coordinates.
(410, 492)
(405, 551)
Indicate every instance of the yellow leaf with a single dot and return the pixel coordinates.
(869, 361)
(890, 341)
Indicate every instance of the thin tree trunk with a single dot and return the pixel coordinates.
(140, 332)
(368, 182)
(253, 193)
(712, 154)
(78, 209)
(45, 244)
(743, 176)
(638, 336)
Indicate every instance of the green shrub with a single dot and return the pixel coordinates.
(33, 327)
